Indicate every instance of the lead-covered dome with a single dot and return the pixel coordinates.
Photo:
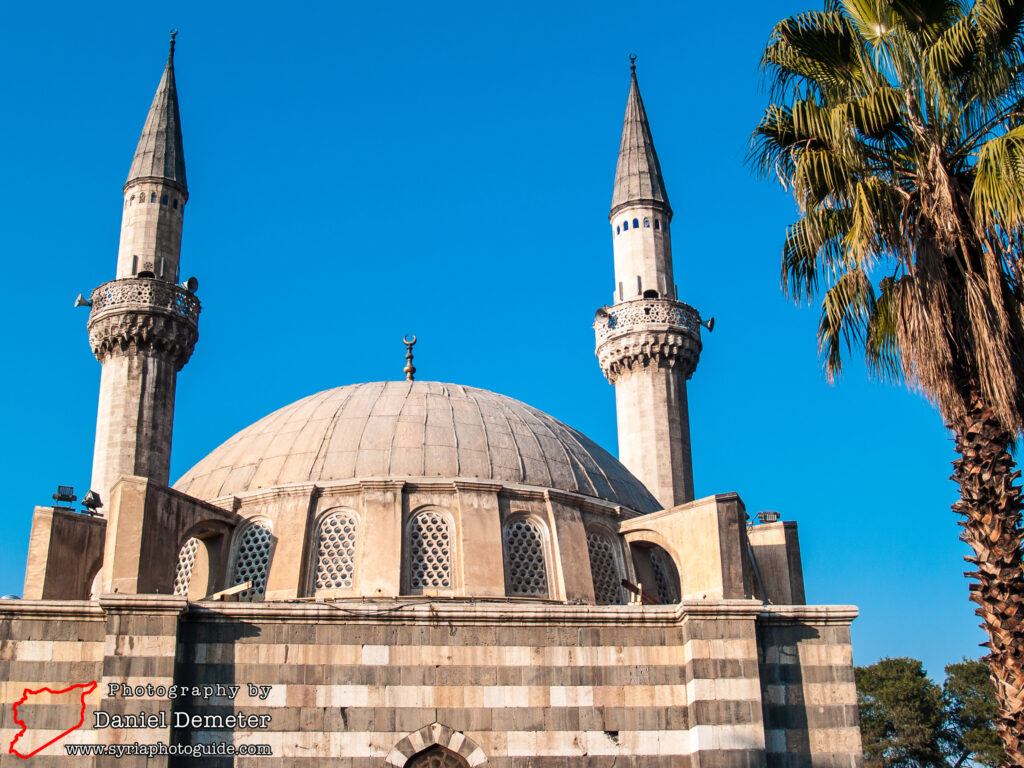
(420, 429)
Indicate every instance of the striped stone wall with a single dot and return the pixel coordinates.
(530, 684)
(708, 683)
(46, 644)
(808, 689)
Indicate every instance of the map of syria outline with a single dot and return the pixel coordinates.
(31, 739)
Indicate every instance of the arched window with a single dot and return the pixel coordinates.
(649, 294)
(665, 578)
(636, 224)
(436, 757)
(604, 569)
(429, 545)
(163, 200)
(252, 559)
(625, 226)
(647, 223)
(152, 197)
(525, 567)
(618, 230)
(174, 203)
(657, 224)
(186, 562)
(336, 552)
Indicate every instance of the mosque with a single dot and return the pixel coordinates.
(415, 574)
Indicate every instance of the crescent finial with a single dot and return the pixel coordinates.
(410, 369)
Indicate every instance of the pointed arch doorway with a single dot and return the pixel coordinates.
(436, 746)
(436, 757)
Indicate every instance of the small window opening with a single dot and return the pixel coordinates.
(636, 224)
(625, 226)
(650, 294)
(657, 224)
(618, 230)
(152, 197)
(647, 223)
(163, 200)
(146, 274)
(135, 264)
(174, 203)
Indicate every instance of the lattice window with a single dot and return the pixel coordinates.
(524, 556)
(604, 569)
(430, 552)
(186, 562)
(664, 576)
(252, 560)
(436, 757)
(336, 552)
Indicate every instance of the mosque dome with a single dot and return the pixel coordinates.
(419, 429)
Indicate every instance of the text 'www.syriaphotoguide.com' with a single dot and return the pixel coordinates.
(158, 749)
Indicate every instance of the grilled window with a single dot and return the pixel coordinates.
(186, 562)
(664, 576)
(252, 560)
(604, 569)
(524, 558)
(430, 552)
(336, 552)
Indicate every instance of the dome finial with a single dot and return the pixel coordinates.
(170, 54)
(410, 369)
(632, 62)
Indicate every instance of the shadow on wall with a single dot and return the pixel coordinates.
(783, 697)
(207, 658)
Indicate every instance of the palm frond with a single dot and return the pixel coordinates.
(814, 240)
(880, 343)
(998, 194)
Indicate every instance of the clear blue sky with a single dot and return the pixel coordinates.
(360, 171)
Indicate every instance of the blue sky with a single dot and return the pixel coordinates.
(362, 171)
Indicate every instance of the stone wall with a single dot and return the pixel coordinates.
(529, 683)
(807, 685)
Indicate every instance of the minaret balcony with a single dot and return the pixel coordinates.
(143, 315)
(646, 332)
(644, 312)
(144, 294)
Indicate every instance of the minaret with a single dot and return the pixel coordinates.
(143, 326)
(648, 342)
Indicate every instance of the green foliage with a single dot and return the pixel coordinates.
(899, 127)
(901, 715)
(907, 721)
(971, 704)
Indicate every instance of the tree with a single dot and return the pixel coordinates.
(907, 721)
(901, 715)
(971, 709)
(899, 127)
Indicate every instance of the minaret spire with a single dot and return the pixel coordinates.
(648, 342)
(160, 153)
(638, 177)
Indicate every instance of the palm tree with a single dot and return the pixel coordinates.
(899, 127)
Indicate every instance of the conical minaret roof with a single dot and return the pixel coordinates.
(160, 153)
(638, 176)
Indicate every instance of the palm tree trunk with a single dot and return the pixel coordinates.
(991, 506)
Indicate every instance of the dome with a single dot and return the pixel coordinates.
(421, 429)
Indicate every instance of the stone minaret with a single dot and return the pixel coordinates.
(142, 326)
(648, 342)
